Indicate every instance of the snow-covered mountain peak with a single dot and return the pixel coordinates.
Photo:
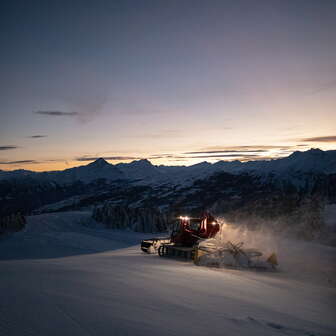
(99, 163)
(142, 170)
(141, 163)
(202, 164)
(313, 152)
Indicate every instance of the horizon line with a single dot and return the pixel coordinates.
(262, 158)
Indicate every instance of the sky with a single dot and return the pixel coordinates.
(177, 82)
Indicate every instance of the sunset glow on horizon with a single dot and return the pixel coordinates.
(174, 82)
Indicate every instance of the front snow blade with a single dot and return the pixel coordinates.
(151, 246)
(273, 260)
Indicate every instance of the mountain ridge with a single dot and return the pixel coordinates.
(143, 171)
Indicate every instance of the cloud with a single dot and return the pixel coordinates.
(227, 151)
(84, 102)
(325, 87)
(89, 109)
(330, 138)
(178, 160)
(161, 156)
(218, 156)
(112, 158)
(17, 162)
(240, 157)
(250, 148)
(24, 162)
(37, 136)
(183, 157)
(2, 148)
(57, 113)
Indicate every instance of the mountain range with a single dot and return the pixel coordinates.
(143, 172)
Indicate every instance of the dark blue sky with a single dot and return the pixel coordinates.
(142, 78)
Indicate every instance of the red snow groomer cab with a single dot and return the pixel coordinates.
(184, 237)
(191, 230)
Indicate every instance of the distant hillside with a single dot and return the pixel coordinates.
(292, 190)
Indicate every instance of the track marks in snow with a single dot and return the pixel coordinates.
(267, 326)
(73, 320)
(11, 323)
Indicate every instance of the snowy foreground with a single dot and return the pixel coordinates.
(66, 276)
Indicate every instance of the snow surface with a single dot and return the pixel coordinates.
(66, 275)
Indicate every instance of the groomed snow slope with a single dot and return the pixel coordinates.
(62, 278)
